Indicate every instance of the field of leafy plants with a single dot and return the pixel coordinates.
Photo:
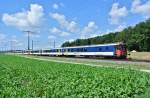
(25, 78)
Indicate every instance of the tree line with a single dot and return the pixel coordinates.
(135, 37)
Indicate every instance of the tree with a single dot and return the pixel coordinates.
(136, 38)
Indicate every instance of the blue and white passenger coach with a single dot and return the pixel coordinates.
(103, 50)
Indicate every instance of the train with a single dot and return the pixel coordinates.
(113, 50)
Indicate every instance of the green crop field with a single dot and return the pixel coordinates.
(25, 78)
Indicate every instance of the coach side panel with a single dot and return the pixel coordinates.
(89, 51)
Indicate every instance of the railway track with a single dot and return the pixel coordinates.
(130, 61)
(98, 60)
(104, 59)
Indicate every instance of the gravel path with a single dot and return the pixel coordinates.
(148, 71)
(98, 60)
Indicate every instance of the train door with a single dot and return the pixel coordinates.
(59, 52)
(63, 52)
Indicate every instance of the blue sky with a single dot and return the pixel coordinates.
(65, 20)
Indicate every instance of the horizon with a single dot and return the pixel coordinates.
(62, 21)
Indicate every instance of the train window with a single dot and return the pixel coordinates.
(123, 47)
(85, 50)
(71, 50)
(100, 49)
(81, 49)
(68, 50)
(118, 47)
(76, 50)
(46, 51)
(107, 48)
(35, 51)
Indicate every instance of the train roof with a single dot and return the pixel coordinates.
(112, 44)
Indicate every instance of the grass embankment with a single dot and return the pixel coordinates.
(22, 77)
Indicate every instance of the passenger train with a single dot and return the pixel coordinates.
(114, 50)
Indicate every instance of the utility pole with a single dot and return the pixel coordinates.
(29, 32)
(54, 43)
(28, 39)
(11, 46)
(32, 45)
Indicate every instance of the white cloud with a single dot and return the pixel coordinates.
(33, 35)
(119, 28)
(71, 40)
(91, 28)
(54, 30)
(117, 13)
(139, 8)
(70, 26)
(55, 6)
(63, 34)
(94, 35)
(25, 20)
(58, 32)
(51, 37)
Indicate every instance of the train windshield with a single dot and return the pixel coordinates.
(121, 47)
